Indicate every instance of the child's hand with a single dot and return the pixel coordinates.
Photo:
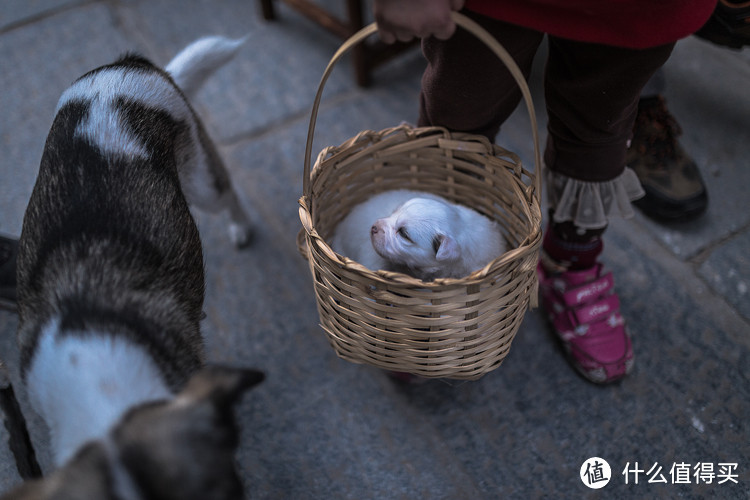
(403, 20)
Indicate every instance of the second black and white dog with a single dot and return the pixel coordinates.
(111, 278)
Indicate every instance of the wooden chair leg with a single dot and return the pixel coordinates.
(267, 9)
(365, 56)
(360, 53)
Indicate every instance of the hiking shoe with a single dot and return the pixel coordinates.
(729, 25)
(671, 179)
(8, 252)
(585, 314)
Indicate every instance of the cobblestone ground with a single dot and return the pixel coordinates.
(323, 428)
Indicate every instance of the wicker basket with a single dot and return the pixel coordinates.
(449, 328)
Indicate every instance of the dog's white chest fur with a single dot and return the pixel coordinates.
(82, 385)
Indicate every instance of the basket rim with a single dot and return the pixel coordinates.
(386, 138)
(310, 236)
(395, 277)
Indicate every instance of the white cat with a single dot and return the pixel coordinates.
(418, 233)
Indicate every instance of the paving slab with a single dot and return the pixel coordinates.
(324, 428)
(727, 270)
(19, 12)
(41, 72)
(705, 90)
(9, 475)
(261, 91)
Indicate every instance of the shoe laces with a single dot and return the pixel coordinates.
(657, 131)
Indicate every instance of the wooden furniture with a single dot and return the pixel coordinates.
(366, 56)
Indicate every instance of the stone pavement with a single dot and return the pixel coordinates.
(323, 428)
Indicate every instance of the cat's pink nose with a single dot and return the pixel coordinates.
(374, 229)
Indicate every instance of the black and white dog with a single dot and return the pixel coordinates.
(111, 287)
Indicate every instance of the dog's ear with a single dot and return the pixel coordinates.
(183, 449)
(220, 384)
(446, 248)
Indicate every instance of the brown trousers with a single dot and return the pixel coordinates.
(591, 93)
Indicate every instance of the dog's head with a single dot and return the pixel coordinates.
(181, 448)
(419, 235)
(184, 448)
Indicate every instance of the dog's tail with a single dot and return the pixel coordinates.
(196, 62)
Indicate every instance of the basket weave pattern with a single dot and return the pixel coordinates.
(453, 328)
(448, 328)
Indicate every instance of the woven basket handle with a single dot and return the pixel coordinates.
(468, 25)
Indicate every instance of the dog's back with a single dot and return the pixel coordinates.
(110, 265)
(107, 230)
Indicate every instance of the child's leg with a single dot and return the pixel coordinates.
(567, 247)
(465, 87)
(592, 94)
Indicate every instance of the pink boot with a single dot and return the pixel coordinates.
(585, 314)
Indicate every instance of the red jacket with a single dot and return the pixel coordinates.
(624, 23)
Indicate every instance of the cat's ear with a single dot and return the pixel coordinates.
(446, 248)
